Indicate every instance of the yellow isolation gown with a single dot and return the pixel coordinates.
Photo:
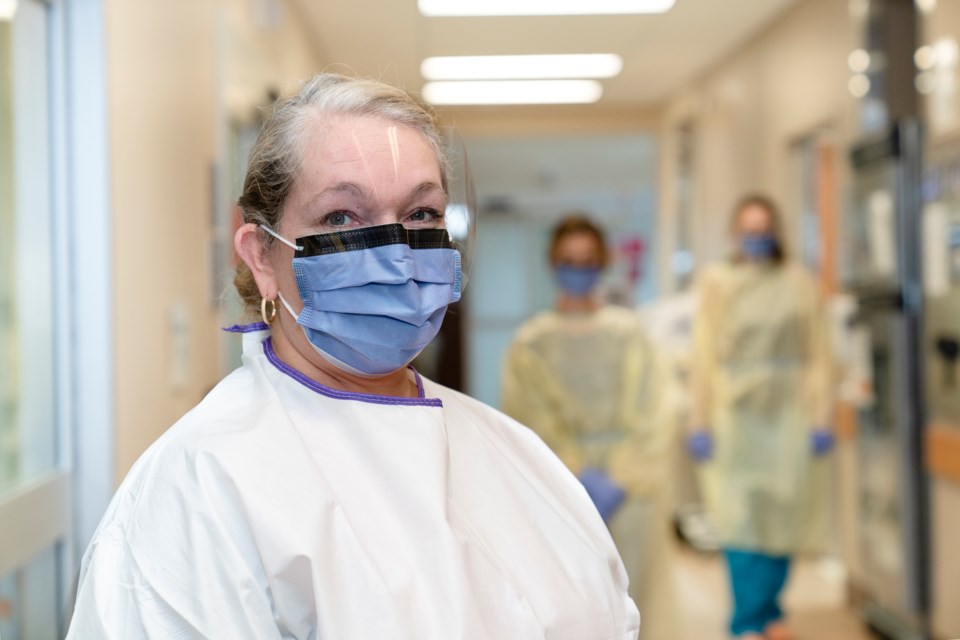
(591, 385)
(762, 379)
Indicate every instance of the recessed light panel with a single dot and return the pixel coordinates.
(8, 9)
(512, 92)
(588, 65)
(540, 7)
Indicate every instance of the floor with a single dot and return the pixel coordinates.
(814, 600)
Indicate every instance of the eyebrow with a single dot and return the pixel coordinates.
(358, 191)
(350, 188)
(426, 187)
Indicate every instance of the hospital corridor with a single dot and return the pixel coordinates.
(480, 320)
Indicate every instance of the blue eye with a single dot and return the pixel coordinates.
(425, 214)
(336, 219)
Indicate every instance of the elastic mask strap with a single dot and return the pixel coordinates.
(287, 307)
(279, 237)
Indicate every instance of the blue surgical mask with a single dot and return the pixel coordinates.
(374, 298)
(758, 246)
(577, 281)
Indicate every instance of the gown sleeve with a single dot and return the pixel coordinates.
(174, 560)
(821, 373)
(640, 463)
(703, 353)
(530, 396)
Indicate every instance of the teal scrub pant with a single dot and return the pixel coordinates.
(756, 580)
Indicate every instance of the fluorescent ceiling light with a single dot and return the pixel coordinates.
(540, 7)
(513, 92)
(8, 9)
(585, 65)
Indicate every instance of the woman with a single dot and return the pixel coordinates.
(323, 489)
(586, 379)
(762, 403)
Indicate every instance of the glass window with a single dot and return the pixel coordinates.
(8, 393)
(29, 457)
(27, 428)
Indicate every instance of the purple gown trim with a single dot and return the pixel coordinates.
(247, 328)
(324, 390)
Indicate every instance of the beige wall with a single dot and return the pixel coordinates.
(555, 120)
(788, 82)
(177, 70)
(945, 560)
(942, 106)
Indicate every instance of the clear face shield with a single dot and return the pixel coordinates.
(460, 218)
(354, 223)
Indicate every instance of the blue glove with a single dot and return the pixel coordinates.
(821, 441)
(700, 445)
(606, 496)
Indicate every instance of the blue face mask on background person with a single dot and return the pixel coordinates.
(577, 281)
(374, 298)
(758, 246)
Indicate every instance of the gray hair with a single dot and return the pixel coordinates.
(277, 155)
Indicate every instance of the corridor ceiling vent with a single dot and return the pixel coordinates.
(8, 9)
(439, 8)
(538, 67)
(494, 92)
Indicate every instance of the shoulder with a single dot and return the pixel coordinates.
(459, 404)
(505, 448)
(713, 279)
(717, 271)
(621, 317)
(186, 465)
(532, 329)
(496, 427)
(796, 271)
(800, 281)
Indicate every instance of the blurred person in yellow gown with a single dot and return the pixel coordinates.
(761, 375)
(585, 377)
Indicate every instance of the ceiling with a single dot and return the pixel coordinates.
(387, 39)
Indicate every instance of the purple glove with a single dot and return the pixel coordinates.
(821, 441)
(606, 496)
(700, 445)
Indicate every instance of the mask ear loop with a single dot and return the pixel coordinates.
(293, 246)
(279, 237)
(287, 306)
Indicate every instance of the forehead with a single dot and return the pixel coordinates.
(753, 216)
(367, 149)
(579, 243)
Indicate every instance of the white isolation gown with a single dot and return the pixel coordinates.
(280, 508)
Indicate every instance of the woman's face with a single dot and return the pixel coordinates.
(364, 171)
(754, 220)
(359, 172)
(356, 172)
(579, 249)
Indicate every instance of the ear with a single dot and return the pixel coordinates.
(249, 246)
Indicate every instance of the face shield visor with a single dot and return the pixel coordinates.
(368, 179)
(460, 219)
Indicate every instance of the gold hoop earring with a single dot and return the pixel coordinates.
(268, 310)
